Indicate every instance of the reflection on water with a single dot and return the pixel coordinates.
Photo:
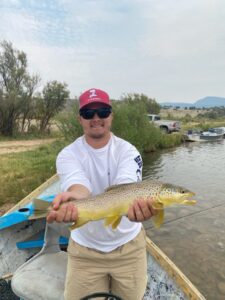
(194, 237)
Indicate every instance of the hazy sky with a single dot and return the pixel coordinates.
(170, 50)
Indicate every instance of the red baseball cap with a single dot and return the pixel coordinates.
(94, 96)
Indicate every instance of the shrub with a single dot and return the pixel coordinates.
(130, 122)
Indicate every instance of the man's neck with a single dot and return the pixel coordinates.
(97, 143)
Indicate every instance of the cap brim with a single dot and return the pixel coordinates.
(96, 102)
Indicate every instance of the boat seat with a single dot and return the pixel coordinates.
(43, 276)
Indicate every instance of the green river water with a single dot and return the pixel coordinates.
(194, 236)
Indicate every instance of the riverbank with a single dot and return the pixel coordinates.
(21, 172)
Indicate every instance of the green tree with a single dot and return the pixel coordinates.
(68, 123)
(28, 103)
(14, 82)
(52, 101)
(151, 105)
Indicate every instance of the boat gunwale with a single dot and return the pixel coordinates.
(175, 273)
(34, 193)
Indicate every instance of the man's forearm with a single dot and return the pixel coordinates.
(79, 191)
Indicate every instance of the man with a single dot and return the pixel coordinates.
(87, 167)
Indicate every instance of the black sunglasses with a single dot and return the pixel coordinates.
(102, 113)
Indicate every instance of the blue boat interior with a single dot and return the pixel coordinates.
(22, 215)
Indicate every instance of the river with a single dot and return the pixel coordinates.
(193, 237)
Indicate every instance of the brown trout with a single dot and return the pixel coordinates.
(116, 200)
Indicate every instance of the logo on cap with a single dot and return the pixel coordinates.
(92, 93)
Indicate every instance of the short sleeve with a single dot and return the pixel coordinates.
(70, 171)
(129, 166)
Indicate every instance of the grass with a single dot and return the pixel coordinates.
(204, 125)
(21, 173)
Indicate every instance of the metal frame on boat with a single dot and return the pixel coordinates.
(22, 237)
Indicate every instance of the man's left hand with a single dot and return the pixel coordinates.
(141, 210)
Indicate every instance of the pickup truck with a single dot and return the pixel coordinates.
(167, 126)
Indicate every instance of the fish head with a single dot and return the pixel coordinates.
(170, 194)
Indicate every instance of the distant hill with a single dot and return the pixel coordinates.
(210, 102)
(204, 102)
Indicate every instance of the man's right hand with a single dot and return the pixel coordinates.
(63, 210)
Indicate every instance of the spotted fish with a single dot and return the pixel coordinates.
(116, 200)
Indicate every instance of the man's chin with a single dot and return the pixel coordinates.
(97, 135)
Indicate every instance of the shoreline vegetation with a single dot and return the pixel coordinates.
(22, 172)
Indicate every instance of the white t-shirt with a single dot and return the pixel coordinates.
(116, 163)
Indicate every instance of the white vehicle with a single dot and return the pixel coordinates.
(167, 126)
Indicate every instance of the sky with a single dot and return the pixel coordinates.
(169, 50)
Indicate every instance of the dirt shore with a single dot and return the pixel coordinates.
(23, 145)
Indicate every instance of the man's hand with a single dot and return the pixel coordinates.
(141, 210)
(63, 211)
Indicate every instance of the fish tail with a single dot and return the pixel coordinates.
(158, 219)
(40, 207)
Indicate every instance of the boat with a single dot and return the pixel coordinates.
(204, 136)
(33, 257)
(218, 130)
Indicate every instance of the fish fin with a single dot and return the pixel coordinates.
(117, 186)
(116, 223)
(158, 219)
(40, 208)
(109, 220)
(157, 205)
(166, 201)
(188, 202)
(80, 222)
(113, 221)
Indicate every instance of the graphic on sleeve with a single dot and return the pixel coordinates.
(138, 160)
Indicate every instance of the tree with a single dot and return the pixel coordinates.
(151, 105)
(52, 101)
(14, 83)
(28, 103)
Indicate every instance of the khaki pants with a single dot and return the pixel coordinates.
(88, 271)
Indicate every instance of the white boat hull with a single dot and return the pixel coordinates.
(196, 137)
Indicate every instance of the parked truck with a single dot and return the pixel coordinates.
(167, 126)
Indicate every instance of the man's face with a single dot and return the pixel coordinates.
(96, 127)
